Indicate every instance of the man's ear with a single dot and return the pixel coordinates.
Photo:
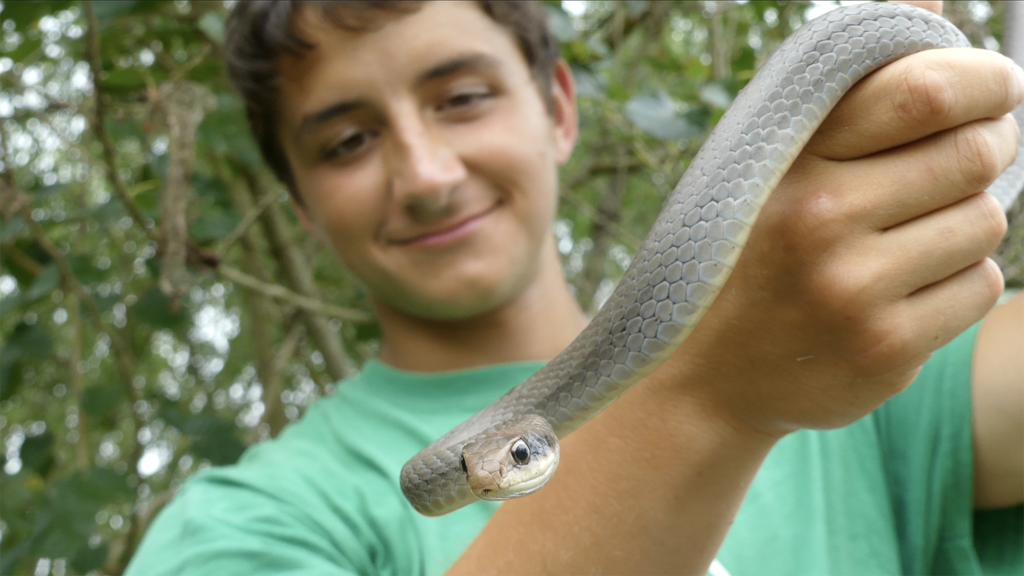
(564, 113)
(307, 223)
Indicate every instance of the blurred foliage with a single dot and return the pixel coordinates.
(112, 393)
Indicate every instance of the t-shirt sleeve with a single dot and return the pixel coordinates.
(927, 447)
(218, 528)
(296, 505)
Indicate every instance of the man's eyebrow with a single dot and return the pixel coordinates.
(459, 64)
(311, 122)
(467, 63)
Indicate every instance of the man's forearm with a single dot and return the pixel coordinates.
(631, 495)
(997, 382)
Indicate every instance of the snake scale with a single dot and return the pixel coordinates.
(510, 448)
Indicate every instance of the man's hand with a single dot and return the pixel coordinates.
(872, 252)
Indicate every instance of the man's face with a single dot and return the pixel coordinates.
(424, 152)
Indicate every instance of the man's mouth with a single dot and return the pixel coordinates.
(448, 233)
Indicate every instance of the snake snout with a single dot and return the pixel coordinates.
(514, 462)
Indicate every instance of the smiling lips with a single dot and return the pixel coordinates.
(448, 234)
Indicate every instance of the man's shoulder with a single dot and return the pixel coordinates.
(326, 489)
(310, 497)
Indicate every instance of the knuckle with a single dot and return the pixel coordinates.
(845, 291)
(977, 152)
(884, 344)
(1011, 86)
(992, 221)
(816, 217)
(926, 95)
(992, 281)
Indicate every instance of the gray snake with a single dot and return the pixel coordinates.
(510, 448)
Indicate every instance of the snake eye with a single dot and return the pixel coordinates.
(521, 452)
(462, 464)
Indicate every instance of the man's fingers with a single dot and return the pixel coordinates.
(949, 307)
(937, 246)
(930, 5)
(916, 97)
(924, 176)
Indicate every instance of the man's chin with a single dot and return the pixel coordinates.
(457, 307)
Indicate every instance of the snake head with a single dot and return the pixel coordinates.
(513, 462)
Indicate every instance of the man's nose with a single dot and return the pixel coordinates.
(425, 169)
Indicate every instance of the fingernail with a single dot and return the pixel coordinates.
(1020, 83)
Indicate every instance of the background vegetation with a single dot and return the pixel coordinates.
(160, 307)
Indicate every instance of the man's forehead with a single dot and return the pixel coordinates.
(346, 71)
(437, 31)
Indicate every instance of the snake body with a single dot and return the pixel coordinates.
(691, 249)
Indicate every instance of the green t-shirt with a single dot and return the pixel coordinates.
(889, 494)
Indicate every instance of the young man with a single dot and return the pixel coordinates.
(423, 144)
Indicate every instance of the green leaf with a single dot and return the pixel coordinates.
(107, 11)
(124, 81)
(154, 308)
(88, 559)
(101, 485)
(214, 438)
(560, 23)
(218, 442)
(32, 342)
(109, 212)
(173, 415)
(148, 200)
(226, 130)
(715, 94)
(27, 14)
(44, 285)
(44, 192)
(84, 270)
(29, 46)
(211, 227)
(101, 399)
(63, 527)
(9, 303)
(11, 557)
(587, 83)
(122, 129)
(658, 115)
(213, 191)
(212, 24)
(26, 275)
(37, 453)
(68, 518)
(366, 331)
(105, 303)
(10, 229)
(26, 342)
(10, 374)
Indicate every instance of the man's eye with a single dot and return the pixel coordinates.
(464, 100)
(349, 146)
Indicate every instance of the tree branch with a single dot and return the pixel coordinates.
(251, 216)
(82, 458)
(298, 274)
(273, 386)
(92, 51)
(281, 293)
